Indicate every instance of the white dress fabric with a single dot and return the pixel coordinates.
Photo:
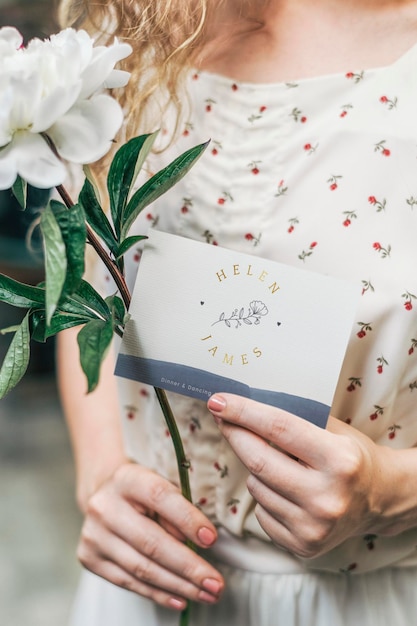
(320, 174)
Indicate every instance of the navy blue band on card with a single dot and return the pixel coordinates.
(197, 383)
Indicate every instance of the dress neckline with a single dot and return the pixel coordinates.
(348, 73)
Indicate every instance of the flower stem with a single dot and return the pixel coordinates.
(101, 251)
(183, 463)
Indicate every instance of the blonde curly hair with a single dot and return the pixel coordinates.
(167, 37)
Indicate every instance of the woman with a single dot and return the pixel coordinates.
(310, 108)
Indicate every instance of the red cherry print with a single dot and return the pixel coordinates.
(221, 201)
(303, 119)
(214, 151)
(347, 222)
(233, 509)
(372, 200)
(186, 132)
(307, 146)
(255, 170)
(411, 350)
(144, 393)
(380, 147)
(408, 305)
(217, 466)
(383, 99)
(354, 383)
(291, 228)
(343, 114)
(249, 237)
(391, 435)
(361, 334)
(380, 369)
(235, 87)
(262, 109)
(130, 415)
(377, 246)
(202, 501)
(333, 186)
(149, 216)
(349, 75)
(184, 210)
(136, 257)
(313, 244)
(195, 76)
(379, 410)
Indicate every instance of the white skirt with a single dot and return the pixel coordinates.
(263, 592)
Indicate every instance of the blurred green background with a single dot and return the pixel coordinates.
(39, 521)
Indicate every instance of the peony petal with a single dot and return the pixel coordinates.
(35, 161)
(6, 104)
(27, 92)
(56, 104)
(101, 67)
(117, 78)
(11, 37)
(85, 133)
(8, 168)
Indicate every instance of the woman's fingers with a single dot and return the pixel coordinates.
(116, 575)
(294, 435)
(100, 547)
(122, 528)
(282, 473)
(157, 495)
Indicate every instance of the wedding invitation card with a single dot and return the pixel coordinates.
(205, 319)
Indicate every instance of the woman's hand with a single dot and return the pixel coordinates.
(134, 533)
(315, 488)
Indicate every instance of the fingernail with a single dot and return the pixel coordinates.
(216, 403)
(207, 598)
(177, 604)
(212, 585)
(206, 536)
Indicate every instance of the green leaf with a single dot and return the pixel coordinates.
(90, 177)
(78, 308)
(159, 184)
(20, 191)
(16, 361)
(55, 260)
(71, 223)
(95, 215)
(117, 309)
(127, 244)
(19, 294)
(123, 172)
(60, 321)
(87, 297)
(94, 340)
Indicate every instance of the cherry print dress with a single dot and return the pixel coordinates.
(319, 174)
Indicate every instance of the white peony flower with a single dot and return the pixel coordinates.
(53, 88)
